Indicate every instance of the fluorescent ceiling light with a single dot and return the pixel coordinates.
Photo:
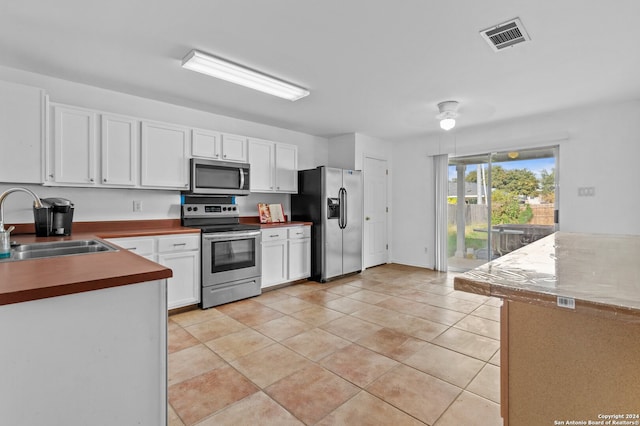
(228, 71)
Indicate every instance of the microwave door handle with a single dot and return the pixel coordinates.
(241, 178)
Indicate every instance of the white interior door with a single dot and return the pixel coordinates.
(375, 212)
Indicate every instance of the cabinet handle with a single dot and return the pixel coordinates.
(131, 248)
(91, 180)
(104, 180)
(179, 244)
(224, 156)
(273, 236)
(217, 155)
(51, 176)
(278, 188)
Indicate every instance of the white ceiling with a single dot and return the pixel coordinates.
(377, 67)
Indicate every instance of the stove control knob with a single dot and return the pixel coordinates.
(188, 209)
(224, 209)
(195, 209)
(234, 208)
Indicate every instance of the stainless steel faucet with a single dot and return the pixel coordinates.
(36, 202)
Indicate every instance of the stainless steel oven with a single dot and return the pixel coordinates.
(231, 255)
(231, 263)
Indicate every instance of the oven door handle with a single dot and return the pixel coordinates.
(229, 236)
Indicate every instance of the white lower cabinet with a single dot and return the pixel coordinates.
(180, 253)
(286, 254)
(299, 252)
(275, 256)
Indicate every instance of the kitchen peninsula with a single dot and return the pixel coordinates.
(84, 336)
(570, 328)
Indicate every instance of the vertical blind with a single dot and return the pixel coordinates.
(440, 167)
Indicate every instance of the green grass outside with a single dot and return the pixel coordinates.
(473, 239)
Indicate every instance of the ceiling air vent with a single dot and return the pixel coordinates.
(505, 35)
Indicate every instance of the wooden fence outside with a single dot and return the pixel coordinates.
(542, 214)
(478, 214)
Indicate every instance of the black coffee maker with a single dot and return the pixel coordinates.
(54, 217)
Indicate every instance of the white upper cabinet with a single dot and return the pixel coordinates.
(164, 155)
(262, 161)
(273, 166)
(234, 148)
(22, 130)
(74, 146)
(218, 146)
(286, 168)
(120, 143)
(205, 144)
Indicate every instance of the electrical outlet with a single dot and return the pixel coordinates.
(137, 205)
(587, 191)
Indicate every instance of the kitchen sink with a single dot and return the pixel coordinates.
(58, 248)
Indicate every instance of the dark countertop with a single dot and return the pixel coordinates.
(284, 224)
(34, 279)
(601, 273)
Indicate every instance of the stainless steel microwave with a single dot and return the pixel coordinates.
(211, 177)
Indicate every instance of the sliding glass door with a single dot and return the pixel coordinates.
(499, 202)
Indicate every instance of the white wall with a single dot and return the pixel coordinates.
(116, 204)
(342, 152)
(599, 147)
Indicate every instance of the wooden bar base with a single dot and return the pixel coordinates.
(562, 366)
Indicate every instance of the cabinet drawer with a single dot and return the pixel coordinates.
(274, 234)
(300, 232)
(181, 243)
(140, 246)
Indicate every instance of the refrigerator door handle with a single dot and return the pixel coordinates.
(341, 198)
(344, 210)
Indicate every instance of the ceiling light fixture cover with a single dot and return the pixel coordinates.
(234, 73)
(448, 114)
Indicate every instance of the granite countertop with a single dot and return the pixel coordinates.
(34, 279)
(599, 272)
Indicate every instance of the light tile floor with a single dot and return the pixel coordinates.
(394, 345)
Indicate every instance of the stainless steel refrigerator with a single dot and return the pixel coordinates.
(332, 199)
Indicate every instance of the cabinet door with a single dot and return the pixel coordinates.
(299, 258)
(286, 168)
(73, 145)
(119, 143)
(184, 287)
(205, 144)
(234, 148)
(164, 155)
(262, 160)
(274, 263)
(21, 133)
